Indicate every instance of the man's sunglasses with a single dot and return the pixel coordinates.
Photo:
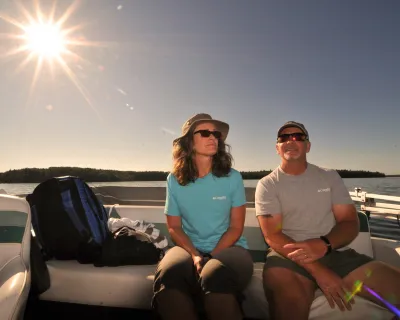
(207, 133)
(297, 136)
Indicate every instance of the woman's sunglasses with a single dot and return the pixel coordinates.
(297, 136)
(207, 133)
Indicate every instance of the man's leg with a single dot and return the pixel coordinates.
(358, 269)
(223, 279)
(174, 282)
(289, 292)
(383, 279)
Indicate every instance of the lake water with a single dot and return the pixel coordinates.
(386, 186)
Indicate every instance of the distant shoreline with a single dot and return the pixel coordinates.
(38, 175)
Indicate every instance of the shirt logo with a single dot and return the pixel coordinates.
(324, 190)
(219, 198)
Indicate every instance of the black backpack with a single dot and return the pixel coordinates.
(127, 246)
(69, 221)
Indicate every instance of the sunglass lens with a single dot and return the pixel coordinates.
(216, 134)
(292, 137)
(207, 133)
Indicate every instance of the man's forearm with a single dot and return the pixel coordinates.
(278, 240)
(228, 239)
(343, 233)
(182, 240)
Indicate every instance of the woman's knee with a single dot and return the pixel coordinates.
(175, 267)
(228, 272)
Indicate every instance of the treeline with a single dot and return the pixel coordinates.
(360, 174)
(36, 175)
(342, 173)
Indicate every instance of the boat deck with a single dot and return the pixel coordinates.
(65, 311)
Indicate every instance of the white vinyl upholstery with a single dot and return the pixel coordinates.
(131, 286)
(123, 286)
(15, 235)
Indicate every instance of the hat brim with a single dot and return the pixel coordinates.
(220, 125)
(291, 126)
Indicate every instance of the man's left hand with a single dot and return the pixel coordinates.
(307, 251)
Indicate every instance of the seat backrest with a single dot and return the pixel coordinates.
(252, 230)
(15, 236)
(155, 215)
(363, 243)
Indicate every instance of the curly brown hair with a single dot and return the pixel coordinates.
(184, 168)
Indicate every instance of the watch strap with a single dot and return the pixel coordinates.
(328, 244)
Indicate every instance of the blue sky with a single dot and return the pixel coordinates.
(332, 65)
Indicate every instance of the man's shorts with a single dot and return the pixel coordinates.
(340, 262)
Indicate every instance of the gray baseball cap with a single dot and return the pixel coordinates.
(295, 124)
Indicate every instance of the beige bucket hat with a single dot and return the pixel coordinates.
(202, 118)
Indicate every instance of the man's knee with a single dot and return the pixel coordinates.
(286, 284)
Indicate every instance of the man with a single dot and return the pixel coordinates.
(308, 219)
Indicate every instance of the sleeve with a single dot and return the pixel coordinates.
(171, 204)
(266, 199)
(238, 194)
(339, 192)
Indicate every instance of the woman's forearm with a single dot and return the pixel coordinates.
(183, 241)
(228, 239)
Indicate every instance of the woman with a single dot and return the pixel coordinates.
(205, 209)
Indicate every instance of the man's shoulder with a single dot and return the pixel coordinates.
(269, 179)
(320, 170)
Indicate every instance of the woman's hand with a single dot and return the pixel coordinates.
(198, 262)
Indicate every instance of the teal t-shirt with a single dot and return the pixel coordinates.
(204, 207)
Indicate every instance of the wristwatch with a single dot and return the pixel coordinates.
(328, 244)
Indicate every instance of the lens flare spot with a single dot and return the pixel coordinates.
(389, 305)
(392, 299)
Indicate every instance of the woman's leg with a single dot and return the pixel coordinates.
(223, 279)
(174, 284)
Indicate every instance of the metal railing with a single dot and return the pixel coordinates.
(370, 204)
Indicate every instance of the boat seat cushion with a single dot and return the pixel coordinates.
(15, 235)
(132, 287)
(122, 286)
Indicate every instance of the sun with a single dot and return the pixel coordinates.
(44, 40)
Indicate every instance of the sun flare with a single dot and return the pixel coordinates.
(45, 40)
(42, 39)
